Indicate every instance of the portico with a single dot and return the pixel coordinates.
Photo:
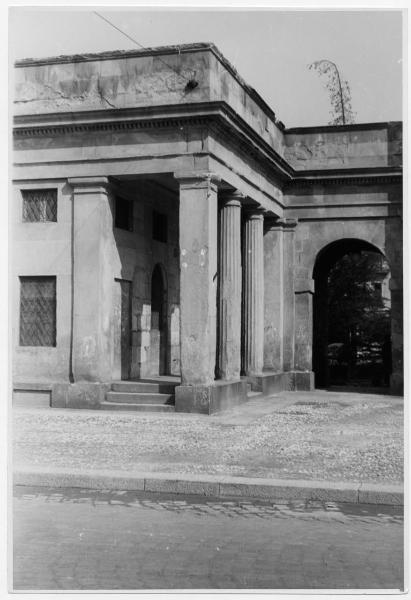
(187, 226)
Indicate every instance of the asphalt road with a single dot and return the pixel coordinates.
(89, 540)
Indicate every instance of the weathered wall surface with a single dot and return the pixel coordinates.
(313, 236)
(134, 79)
(42, 249)
(45, 249)
(130, 81)
(368, 213)
(377, 145)
(236, 93)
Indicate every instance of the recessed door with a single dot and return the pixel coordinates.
(125, 320)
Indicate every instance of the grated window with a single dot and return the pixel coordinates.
(37, 311)
(39, 206)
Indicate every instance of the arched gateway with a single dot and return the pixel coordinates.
(355, 297)
(140, 170)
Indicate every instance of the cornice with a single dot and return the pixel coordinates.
(219, 117)
(62, 129)
(345, 179)
(216, 113)
(342, 128)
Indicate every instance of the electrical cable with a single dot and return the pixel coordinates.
(189, 81)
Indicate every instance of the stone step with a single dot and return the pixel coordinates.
(254, 395)
(136, 407)
(140, 398)
(143, 386)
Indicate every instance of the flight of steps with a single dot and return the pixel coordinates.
(148, 395)
(143, 395)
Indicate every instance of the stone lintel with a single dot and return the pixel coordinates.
(304, 286)
(197, 179)
(89, 185)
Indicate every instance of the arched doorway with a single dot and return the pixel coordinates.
(351, 316)
(158, 337)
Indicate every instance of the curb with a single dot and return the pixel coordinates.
(213, 485)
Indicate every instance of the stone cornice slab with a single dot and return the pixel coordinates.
(219, 117)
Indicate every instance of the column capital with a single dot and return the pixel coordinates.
(89, 185)
(254, 214)
(231, 198)
(197, 179)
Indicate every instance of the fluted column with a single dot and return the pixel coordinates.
(229, 338)
(253, 293)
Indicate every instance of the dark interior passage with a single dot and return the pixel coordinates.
(351, 329)
(159, 318)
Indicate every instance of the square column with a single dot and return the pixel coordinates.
(199, 392)
(304, 376)
(198, 278)
(279, 295)
(93, 279)
(253, 322)
(230, 279)
(92, 297)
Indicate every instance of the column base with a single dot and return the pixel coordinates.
(303, 381)
(209, 399)
(291, 381)
(78, 395)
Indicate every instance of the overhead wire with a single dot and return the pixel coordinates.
(141, 46)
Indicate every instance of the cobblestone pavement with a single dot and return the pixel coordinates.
(293, 435)
(88, 540)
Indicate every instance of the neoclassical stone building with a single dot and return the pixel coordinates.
(166, 224)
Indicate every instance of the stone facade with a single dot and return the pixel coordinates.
(220, 289)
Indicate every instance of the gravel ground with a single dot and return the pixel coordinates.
(310, 435)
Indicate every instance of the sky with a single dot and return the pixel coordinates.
(271, 49)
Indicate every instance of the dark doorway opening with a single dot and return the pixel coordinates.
(125, 321)
(352, 321)
(159, 321)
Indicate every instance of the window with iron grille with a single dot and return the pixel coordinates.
(39, 206)
(159, 227)
(37, 311)
(123, 214)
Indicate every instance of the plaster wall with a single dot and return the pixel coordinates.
(45, 249)
(42, 249)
